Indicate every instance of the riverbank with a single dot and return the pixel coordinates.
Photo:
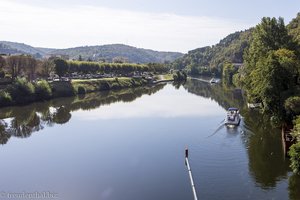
(22, 92)
(74, 87)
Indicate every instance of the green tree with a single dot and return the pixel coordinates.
(61, 67)
(271, 66)
(294, 153)
(228, 71)
(48, 67)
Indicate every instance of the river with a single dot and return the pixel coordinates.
(129, 145)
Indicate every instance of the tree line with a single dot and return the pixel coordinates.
(26, 66)
(271, 76)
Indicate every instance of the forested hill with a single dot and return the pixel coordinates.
(208, 59)
(119, 51)
(107, 53)
(19, 48)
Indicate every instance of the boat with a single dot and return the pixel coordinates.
(233, 117)
(214, 80)
(287, 139)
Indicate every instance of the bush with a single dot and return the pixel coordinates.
(43, 90)
(81, 90)
(292, 105)
(294, 153)
(22, 91)
(62, 89)
(5, 98)
(180, 76)
(296, 130)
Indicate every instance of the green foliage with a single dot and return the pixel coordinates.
(5, 98)
(179, 76)
(118, 68)
(294, 153)
(294, 28)
(107, 84)
(63, 89)
(22, 91)
(292, 105)
(296, 130)
(271, 66)
(228, 71)
(210, 60)
(43, 90)
(61, 67)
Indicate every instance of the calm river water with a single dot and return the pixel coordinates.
(129, 145)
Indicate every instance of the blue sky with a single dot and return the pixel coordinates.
(167, 25)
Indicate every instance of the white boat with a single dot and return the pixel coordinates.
(233, 117)
(214, 80)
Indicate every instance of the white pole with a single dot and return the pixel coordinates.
(190, 174)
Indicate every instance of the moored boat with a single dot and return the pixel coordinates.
(214, 80)
(233, 117)
(287, 139)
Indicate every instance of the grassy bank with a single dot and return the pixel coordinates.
(22, 92)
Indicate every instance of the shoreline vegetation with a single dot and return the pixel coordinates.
(29, 118)
(264, 61)
(23, 92)
(24, 79)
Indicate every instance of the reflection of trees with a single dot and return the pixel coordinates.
(223, 96)
(294, 185)
(3, 136)
(266, 161)
(62, 115)
(23, 121)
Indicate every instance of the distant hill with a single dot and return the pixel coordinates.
(109, 52)
(19, 48)
(211, 58)
(104, 52)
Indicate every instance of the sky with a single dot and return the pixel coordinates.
(164, 25)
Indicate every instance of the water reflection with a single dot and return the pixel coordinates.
(244, 161)
(23, 121)
(267, 164)
(294, 185)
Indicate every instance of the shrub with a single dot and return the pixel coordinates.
(180, 76)
(81, 90)
(296, 130)
(292, 105)
(62, 89)
(5, 98)
(294, 153)
(43, 90)
(22, 91)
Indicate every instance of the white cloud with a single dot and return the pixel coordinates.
(86, 25)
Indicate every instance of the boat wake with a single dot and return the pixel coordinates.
(217, 130)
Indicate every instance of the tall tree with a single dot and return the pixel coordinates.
(30, 68)
(48, 67)
(61, 67)
(16, 65)
(270, 35)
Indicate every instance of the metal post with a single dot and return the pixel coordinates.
(190, 173)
